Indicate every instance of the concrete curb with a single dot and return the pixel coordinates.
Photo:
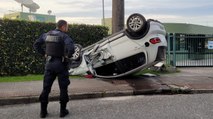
(75, 96)
(90, 95)
(201, 91)
(18, 100)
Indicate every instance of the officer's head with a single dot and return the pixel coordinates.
(62, 25)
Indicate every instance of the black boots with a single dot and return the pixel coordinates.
(63, 110)
(43, 112)
(63, 113)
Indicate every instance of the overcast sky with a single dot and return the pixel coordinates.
(90, 11)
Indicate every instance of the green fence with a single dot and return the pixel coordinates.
(190, 50)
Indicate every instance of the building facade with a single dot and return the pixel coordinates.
(31, 17)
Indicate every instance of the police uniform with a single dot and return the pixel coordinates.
(58, 45)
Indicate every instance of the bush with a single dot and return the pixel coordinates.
(17, 56)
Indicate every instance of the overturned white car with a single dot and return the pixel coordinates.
(139, 46)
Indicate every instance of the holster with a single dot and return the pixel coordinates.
(51, 58)
(48, 58)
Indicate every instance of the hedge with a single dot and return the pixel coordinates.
(17, 56)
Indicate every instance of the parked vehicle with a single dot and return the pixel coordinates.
(141, 45)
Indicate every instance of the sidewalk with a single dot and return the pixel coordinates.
(189, 80)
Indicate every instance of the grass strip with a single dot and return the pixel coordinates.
(28, 78)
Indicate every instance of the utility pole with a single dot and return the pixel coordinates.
(117, 15)
(103, 12)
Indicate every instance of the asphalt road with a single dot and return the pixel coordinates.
(133, 107)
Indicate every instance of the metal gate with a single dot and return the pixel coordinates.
(190, 50)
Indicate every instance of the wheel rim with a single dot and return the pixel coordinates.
(135, 23)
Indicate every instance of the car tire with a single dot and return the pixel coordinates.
(77, 54)
(136, 23)
(77, 57)
(139, 29)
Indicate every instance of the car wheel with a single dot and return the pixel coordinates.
(76, 57)
(136, 23)
(77, 54)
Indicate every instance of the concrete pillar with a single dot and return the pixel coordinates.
(117, 15)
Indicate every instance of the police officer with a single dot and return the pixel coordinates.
(58, 47)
